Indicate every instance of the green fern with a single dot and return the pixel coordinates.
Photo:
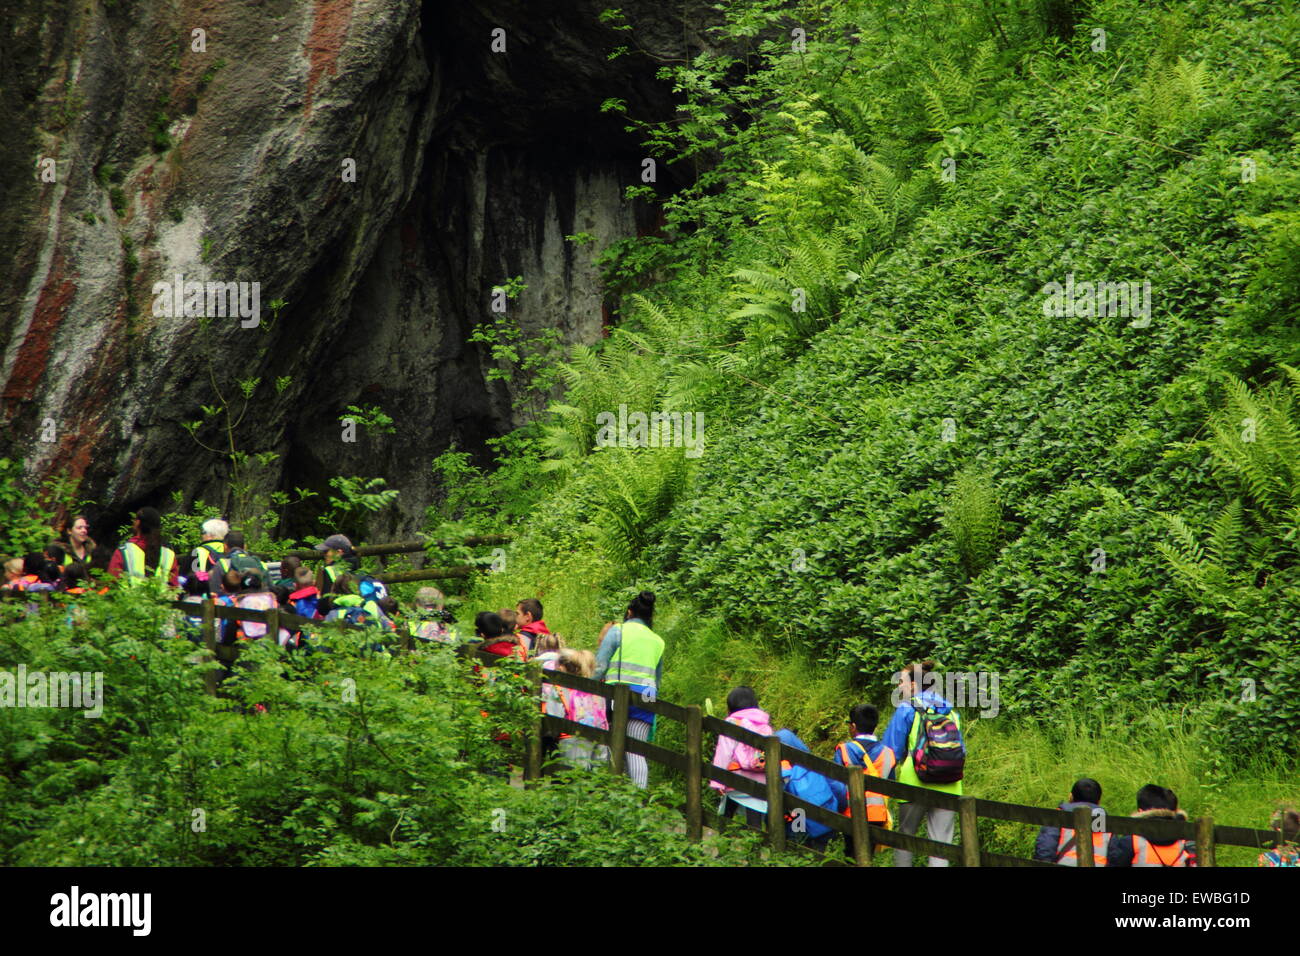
(973, 517)
(634, 490)
(954, 90)
(1172, 93)
(1254, 447)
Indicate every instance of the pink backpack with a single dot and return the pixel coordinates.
(584, 707)
(259, 601)
(745, 757)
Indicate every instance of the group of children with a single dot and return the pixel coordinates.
(1061, 845)
(222, 569)
(522, 634)
(46, 570)
(876, 758)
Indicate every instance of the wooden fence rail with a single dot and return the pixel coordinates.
(414, 547)
(866, 837)
(406, 547)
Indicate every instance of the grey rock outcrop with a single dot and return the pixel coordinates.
(230, 163)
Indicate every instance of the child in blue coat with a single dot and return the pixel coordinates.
(816, 789)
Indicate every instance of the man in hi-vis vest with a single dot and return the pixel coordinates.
(630, 653)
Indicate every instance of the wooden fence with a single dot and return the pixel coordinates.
(414, 547)
(409, 547)
(866, 838)
(695, 768)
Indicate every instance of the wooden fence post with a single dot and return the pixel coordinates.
(273, 625)
(970, 836)
(694, 777)
(862, 848)
(618, 729)
(775, 811)
(209, 629)
(1083, 836)
(1205, 841)
(533, 767)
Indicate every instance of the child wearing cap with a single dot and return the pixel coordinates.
(336, 546)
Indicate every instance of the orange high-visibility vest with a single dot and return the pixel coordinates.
(1146, 853)
(1067, 848)
(877, 808)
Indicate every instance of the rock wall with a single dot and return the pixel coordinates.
(226, 157)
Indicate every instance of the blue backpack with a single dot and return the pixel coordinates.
(306, 606)
(807, 785)
(371, 589)
(359, 616)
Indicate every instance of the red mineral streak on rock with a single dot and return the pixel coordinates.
(34, 353)
(77, 445)
(329, 30)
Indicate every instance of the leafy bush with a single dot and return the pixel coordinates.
(28, 511)
(348, 757)
(829, 503)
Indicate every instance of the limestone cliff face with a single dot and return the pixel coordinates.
(233, 163)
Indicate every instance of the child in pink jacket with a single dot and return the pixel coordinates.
(582, 707)
(740, 758)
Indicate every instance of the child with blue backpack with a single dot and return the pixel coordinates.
(304, 599)
(813, 787)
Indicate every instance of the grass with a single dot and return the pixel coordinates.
(1015, 761)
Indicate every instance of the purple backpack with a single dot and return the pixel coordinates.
(940, 752)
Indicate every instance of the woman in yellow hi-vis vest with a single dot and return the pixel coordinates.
(144, 554)
(78, 545)
(630, 653)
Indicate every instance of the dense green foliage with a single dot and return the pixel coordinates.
(350, 757)
(905, 455)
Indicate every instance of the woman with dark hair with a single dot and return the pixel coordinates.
(144, 555)
(78, 545)
(630, 653)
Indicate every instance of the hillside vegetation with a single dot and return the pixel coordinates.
(912, 446)
(904, 454)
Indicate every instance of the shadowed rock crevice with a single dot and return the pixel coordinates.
(226, 165)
